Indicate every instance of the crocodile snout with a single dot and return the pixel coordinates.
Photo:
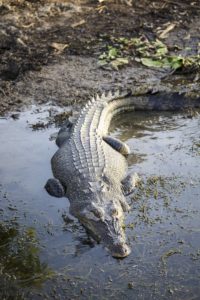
(120, 250)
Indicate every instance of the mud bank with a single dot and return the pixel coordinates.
(50, 49)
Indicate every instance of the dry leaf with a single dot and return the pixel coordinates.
(101, 8)
(81, 22)
(21, 42)
(28, 25)
(59, 47)
(163, 34)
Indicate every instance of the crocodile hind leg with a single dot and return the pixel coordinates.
(117, 145)
(129, 183)
(55, 188)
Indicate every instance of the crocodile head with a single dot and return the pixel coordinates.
(105, 224)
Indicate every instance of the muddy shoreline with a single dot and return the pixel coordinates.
(50, 50)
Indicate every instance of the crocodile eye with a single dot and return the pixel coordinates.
(98, 213)
(106, 180)
(114, 212)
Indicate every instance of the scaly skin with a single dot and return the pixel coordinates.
(90, 168)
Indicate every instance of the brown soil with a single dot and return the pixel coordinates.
(49, 49)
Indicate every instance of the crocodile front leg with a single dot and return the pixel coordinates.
(55, 188)
(64, 133)
(117, 145)
(129, 183)
(124, 204)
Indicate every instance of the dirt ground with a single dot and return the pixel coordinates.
(49, 50)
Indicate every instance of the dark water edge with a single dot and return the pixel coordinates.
(44, 254)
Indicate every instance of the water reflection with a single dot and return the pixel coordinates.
(19, 260)
(141, 124)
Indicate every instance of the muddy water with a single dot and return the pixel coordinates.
(53, 258)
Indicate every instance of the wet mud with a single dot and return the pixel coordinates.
(50, 49)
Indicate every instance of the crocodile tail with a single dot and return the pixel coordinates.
(111, 95)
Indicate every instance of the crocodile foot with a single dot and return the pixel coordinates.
(129, 183)
(55, 188)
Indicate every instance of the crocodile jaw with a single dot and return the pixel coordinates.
(115, 244)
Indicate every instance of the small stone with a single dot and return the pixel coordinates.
(130, 285)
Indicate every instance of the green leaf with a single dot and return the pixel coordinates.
(136, 41)
(102, 62)
(112, 53)
(123, 40)
(161, 51)
(161, 48)
(103, 56)
(150, 62)
(118, 62)
(173, 62)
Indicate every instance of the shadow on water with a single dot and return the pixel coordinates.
(44, 253)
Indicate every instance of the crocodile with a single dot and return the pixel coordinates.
(90, 167)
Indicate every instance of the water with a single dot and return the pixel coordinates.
(46, 255)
